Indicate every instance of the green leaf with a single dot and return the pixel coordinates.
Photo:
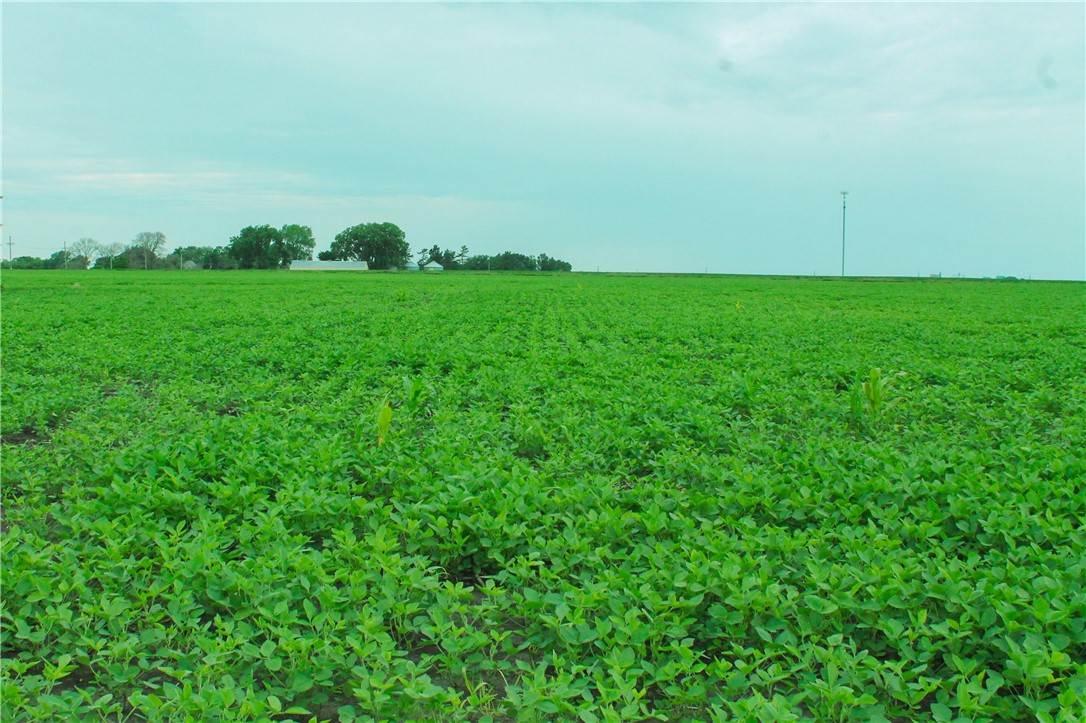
(300, 682)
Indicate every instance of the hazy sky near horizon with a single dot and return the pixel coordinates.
(651, 137)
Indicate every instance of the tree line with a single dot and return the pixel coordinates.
(384, 246)
(380, 245)
(505, 261)
(255, 247)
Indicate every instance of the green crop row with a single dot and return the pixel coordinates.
(254, 496)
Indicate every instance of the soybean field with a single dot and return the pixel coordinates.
(253, 496)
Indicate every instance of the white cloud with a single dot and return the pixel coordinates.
(194, 185)
(912, 58)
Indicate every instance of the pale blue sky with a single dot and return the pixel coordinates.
(669, 137)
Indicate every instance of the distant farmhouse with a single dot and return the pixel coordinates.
(329, 266)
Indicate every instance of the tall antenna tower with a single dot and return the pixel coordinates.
(844, 196)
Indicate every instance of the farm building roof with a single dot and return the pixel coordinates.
(329, 266)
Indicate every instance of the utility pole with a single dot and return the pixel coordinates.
(11, 252)
(65, 255)
(844, 195)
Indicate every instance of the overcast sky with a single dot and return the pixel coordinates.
(651, 137)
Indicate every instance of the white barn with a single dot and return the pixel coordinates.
(329, 266)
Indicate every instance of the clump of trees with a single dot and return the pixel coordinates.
(146, 252)
(505, 261)
(265, 247)
(25, 262)
(448, 258)
(254, 247)
(381, 245)
(513, 261)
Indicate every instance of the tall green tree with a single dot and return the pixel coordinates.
(298, 243)
(257, 247)
(380, 245)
